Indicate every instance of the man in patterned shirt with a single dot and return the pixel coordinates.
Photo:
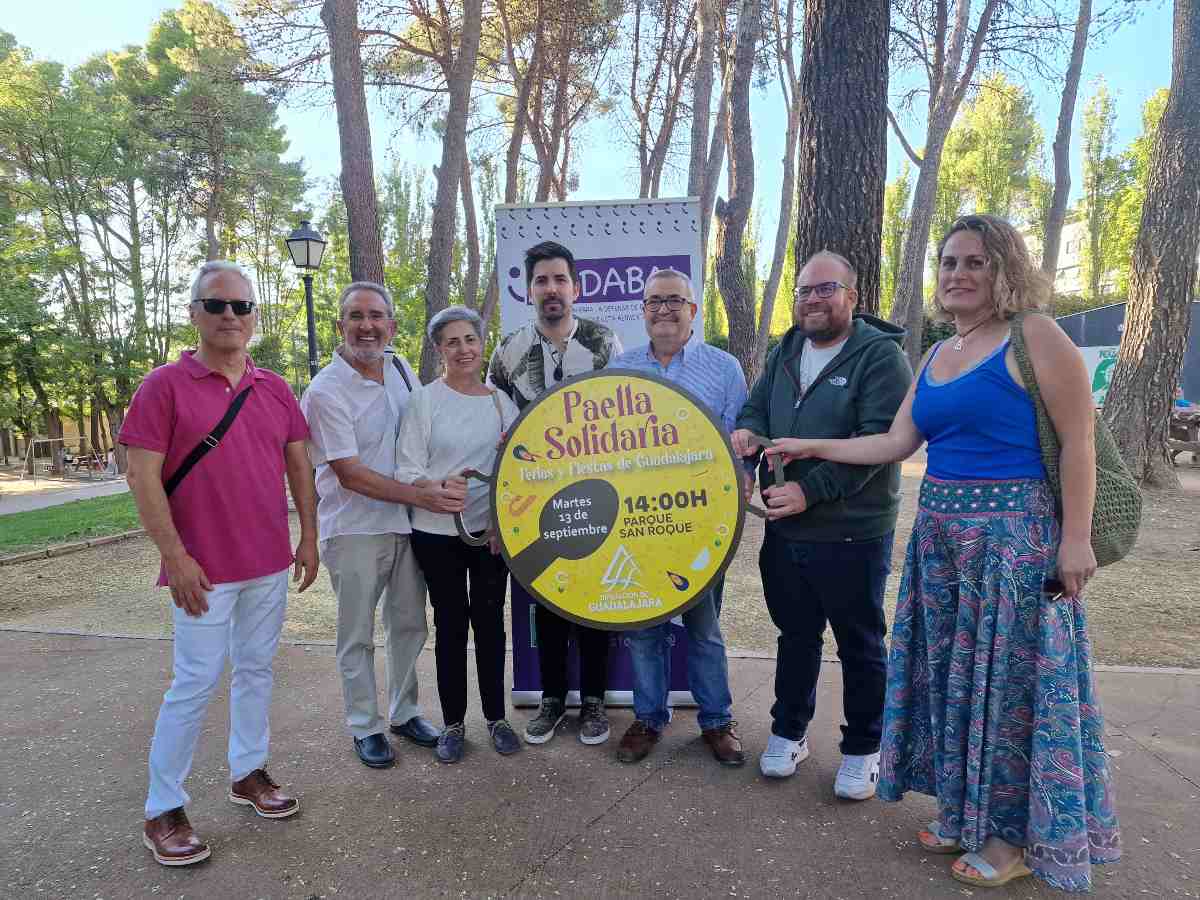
(527, 363)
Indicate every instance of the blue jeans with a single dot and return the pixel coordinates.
(708, 672)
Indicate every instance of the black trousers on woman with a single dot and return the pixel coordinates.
(466, 587)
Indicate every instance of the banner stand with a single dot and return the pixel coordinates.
(617, 245)
(527, 688)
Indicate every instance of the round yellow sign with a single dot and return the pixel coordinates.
(617, 499)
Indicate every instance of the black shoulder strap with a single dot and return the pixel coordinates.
(209, 442)
(400, 368)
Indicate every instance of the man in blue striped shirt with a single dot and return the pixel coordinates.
(717, 380)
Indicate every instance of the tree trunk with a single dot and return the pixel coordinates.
(790, 87)
(843, 136)
(471, 236)
(1062, 144)
(702, 84)
(956, 56)
(354, 135)
(716, 159)
(212, 240)
(1138, 405)
(732, 214)
(54, 431)
(460, 73)
(116, 418)
(908, 306)
(94, 422)
(523, 83)
(80, 418)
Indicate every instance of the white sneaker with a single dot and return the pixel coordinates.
(780, 758)
(857, 777)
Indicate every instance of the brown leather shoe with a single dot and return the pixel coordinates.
(172, 840)
(725, 745)
(258, 790)
(639, 739)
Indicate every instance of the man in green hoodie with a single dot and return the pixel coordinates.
(828, 544)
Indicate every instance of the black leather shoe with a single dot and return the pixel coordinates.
(418, 731)
(375, 751)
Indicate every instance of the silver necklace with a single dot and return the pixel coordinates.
(958, 345)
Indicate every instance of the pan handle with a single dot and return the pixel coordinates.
(466, 536)
(778, 470)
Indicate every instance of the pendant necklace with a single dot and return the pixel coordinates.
(958, 345)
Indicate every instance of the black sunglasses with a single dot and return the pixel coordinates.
(216, 307)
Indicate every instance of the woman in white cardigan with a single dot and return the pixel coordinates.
(452, 424)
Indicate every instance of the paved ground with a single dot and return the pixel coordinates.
(23, 496)
(558, 820)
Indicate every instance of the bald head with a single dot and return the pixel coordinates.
(825, 298)
(850, 275)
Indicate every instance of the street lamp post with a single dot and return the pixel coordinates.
(306, 247)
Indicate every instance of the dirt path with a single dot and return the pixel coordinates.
(1144, 611)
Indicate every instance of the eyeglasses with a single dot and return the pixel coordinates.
(824, 290)
(674, 303)
(216, 307)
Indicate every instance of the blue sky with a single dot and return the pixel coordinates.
(1135, 62)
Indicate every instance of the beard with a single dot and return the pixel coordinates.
(824, 335)
(832, 329)
(364, 354)
(556, 315)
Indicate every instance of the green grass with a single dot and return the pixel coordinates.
(78, 521)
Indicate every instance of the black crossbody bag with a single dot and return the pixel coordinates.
(210, 441)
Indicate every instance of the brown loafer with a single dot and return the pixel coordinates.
(258, 790)
(639, 739)
(171, 838)
(725, 745)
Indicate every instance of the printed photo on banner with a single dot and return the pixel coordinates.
(617, 246)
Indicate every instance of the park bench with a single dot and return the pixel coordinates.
(1184, 435)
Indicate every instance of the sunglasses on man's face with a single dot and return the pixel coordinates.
(216, 307)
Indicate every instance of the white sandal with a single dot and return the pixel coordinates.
(990, 877)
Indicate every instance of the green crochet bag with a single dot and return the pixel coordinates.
(1117, 514)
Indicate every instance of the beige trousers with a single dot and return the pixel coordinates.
(365, 568)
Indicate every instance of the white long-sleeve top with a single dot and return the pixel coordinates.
(444, 432)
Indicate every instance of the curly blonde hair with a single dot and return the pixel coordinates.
(1016, 283)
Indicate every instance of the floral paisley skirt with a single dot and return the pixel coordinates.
(991, 704)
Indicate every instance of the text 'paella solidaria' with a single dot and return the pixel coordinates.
(589, 437)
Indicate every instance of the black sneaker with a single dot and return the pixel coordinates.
(504, 739)
(541, 728)
(450, 743)
(593, 723)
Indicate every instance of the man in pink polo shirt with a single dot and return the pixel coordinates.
(225, 546)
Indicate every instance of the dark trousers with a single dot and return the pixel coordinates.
(466, 587)
(553, 635)
(806, 585)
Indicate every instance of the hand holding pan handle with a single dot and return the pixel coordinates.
(467, 537)
(778, 470)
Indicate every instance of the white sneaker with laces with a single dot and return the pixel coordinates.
(857, 777)
(780, 758)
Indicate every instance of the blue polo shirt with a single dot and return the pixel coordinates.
(713, 375)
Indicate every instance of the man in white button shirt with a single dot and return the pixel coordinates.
(354, 407)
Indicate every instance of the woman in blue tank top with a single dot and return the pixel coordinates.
(991, 704)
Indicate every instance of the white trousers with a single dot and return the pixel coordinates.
(363, 569)
(244, 620)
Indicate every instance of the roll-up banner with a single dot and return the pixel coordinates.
(617, 245)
